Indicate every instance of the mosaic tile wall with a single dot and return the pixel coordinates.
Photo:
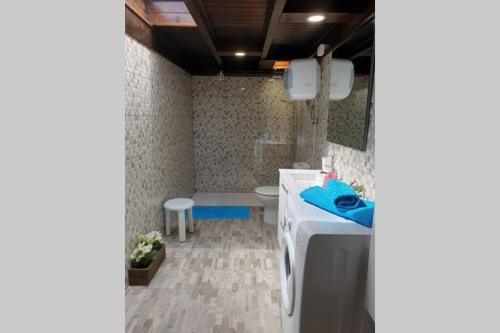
(227, 123)
(158, 138)
(312, 144)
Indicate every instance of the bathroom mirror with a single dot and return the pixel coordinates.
(348, 119)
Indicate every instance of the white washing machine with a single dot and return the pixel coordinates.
(323, 266)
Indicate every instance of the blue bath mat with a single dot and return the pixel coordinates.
(221, 212)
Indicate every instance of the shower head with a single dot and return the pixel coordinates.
(220, 76)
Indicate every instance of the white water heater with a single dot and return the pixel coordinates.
(341, 78)
(302, 79)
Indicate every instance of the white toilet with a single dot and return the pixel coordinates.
(269, 196)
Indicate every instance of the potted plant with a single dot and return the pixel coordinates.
(146, 258)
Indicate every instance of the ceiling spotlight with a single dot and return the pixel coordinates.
(316, 18)
(239, 54)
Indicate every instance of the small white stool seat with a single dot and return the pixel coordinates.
(180, 205)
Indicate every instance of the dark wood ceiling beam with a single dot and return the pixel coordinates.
(208, 20)
(277, 10)
(363, 53)
(363, 50)
(325, 6)
(335, 39)
(197, 12)
(301, 18)
(266, 64)
(349, 31)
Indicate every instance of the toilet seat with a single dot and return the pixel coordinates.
(268, 191)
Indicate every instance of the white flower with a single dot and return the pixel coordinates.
(154, 235)
(144, 248)
(134, 253)
(140, 251)
(137, 255)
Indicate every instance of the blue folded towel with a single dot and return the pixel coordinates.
(362, 213)
(344, 197)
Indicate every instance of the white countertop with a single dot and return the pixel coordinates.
(298, 180)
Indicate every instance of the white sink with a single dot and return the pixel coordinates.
(298, 180)
(303, 184)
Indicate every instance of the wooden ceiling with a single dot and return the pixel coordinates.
(202, 36)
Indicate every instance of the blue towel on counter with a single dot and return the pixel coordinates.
(325, 199)
(343, 196)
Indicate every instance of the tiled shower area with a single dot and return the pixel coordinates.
(230, 114)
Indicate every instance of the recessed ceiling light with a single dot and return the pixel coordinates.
(239, 54)
(316, 18)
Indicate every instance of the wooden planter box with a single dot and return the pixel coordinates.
(142, 276)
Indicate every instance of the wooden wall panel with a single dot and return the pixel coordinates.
(152, 38)
(138, 29)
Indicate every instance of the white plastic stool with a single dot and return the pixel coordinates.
(180, 205)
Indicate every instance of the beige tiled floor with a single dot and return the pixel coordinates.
(227, 199)
(225, 278)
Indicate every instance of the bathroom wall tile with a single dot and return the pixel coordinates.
(209, 86)
(207, 106)
(227, 121)
(158, 138)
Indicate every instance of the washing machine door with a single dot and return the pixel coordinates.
(287, 273)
